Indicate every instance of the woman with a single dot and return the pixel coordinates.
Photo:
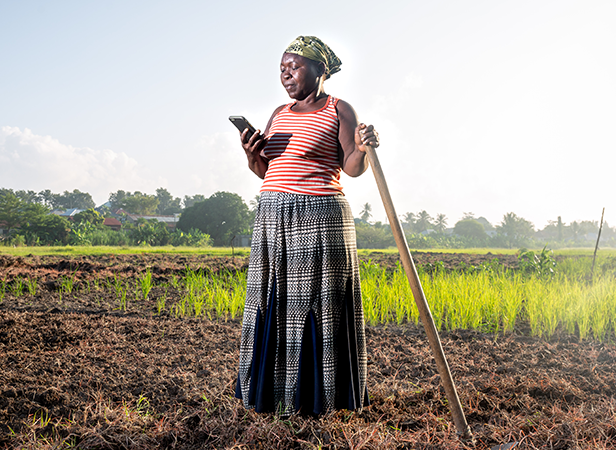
(303, 344)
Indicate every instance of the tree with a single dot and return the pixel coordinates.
(423, 222)
(575, 230)
(366, 212)
(440, 224)
(486, 224)
(139, 203)
(75, 199)
(150, 232)
(15, 212)
(167, 205)
(470, 228)
(48, 198)
(516, 231)
(116, 198)
(28, 196)
(222, 216)
(190, 201)
(254, 206)
(408, 221)
(589, 227)
(90, 216)
(136, 203)
(10, 209)
(48, 229)
(373, 236)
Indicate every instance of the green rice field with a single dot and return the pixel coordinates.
(490, 298)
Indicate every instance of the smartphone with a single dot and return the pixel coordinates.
(241, 123)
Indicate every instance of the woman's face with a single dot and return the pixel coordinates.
(299, 75)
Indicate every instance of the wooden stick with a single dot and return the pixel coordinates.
(592, 269)
(424, 310)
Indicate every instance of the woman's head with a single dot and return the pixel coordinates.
(315, 49)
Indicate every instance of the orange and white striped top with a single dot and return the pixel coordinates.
(302, 150)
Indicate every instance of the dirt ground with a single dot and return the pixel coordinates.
(76, 372)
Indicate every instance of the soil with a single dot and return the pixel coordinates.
(77, 372)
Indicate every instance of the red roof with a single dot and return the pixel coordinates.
(112, 222)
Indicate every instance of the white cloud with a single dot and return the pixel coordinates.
(219, 164)
(33, 162)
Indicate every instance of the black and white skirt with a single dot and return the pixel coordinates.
(303, 347)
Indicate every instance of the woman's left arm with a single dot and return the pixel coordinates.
(353, 138)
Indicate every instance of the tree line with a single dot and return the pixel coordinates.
(424, 231)
(135, 202)
(26, 218)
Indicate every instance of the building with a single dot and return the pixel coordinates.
(112, 223)
(171, 221)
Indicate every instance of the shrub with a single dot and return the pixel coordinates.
(373, 236)
(194, 238)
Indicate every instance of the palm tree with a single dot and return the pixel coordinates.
(366, 212)
(515, 229)
(424, 221)
(409, 220)
(441, 223)
(575, 230)
(254, 203)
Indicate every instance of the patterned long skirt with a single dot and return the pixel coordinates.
(303, 345)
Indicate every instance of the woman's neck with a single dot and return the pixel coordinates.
(313, 101)
(310, 104)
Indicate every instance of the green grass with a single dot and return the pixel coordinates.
(484, 251)
(105, 250)
(495, 301)
(490, 299)
(245, 251)
(473, 251)
(206, 295)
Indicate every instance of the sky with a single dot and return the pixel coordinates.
(483, 107)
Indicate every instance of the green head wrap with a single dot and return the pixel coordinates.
(313, 48)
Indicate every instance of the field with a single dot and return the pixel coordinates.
(140, 351)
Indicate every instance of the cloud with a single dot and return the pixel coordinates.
(219, 164)
(33, 162)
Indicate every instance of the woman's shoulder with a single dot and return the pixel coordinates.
(280, 108)
(344, 108)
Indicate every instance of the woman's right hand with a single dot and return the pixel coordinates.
(255, 143)
(253, 146)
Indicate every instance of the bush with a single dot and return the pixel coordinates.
(16, 240)
(194, 238)
(470, 228)
(149, 232)
(46, 230)
(110, 237)
(541, 264)
(373, 236)
(221, 216)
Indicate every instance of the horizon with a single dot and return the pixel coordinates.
(356, 215)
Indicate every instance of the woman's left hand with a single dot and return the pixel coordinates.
(366, 135)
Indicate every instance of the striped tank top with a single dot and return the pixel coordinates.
(302, 150)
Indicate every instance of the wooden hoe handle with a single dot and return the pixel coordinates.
(424, 310)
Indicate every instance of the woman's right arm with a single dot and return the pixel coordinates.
(253, 147)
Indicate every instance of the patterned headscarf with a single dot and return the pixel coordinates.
(313, 48)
